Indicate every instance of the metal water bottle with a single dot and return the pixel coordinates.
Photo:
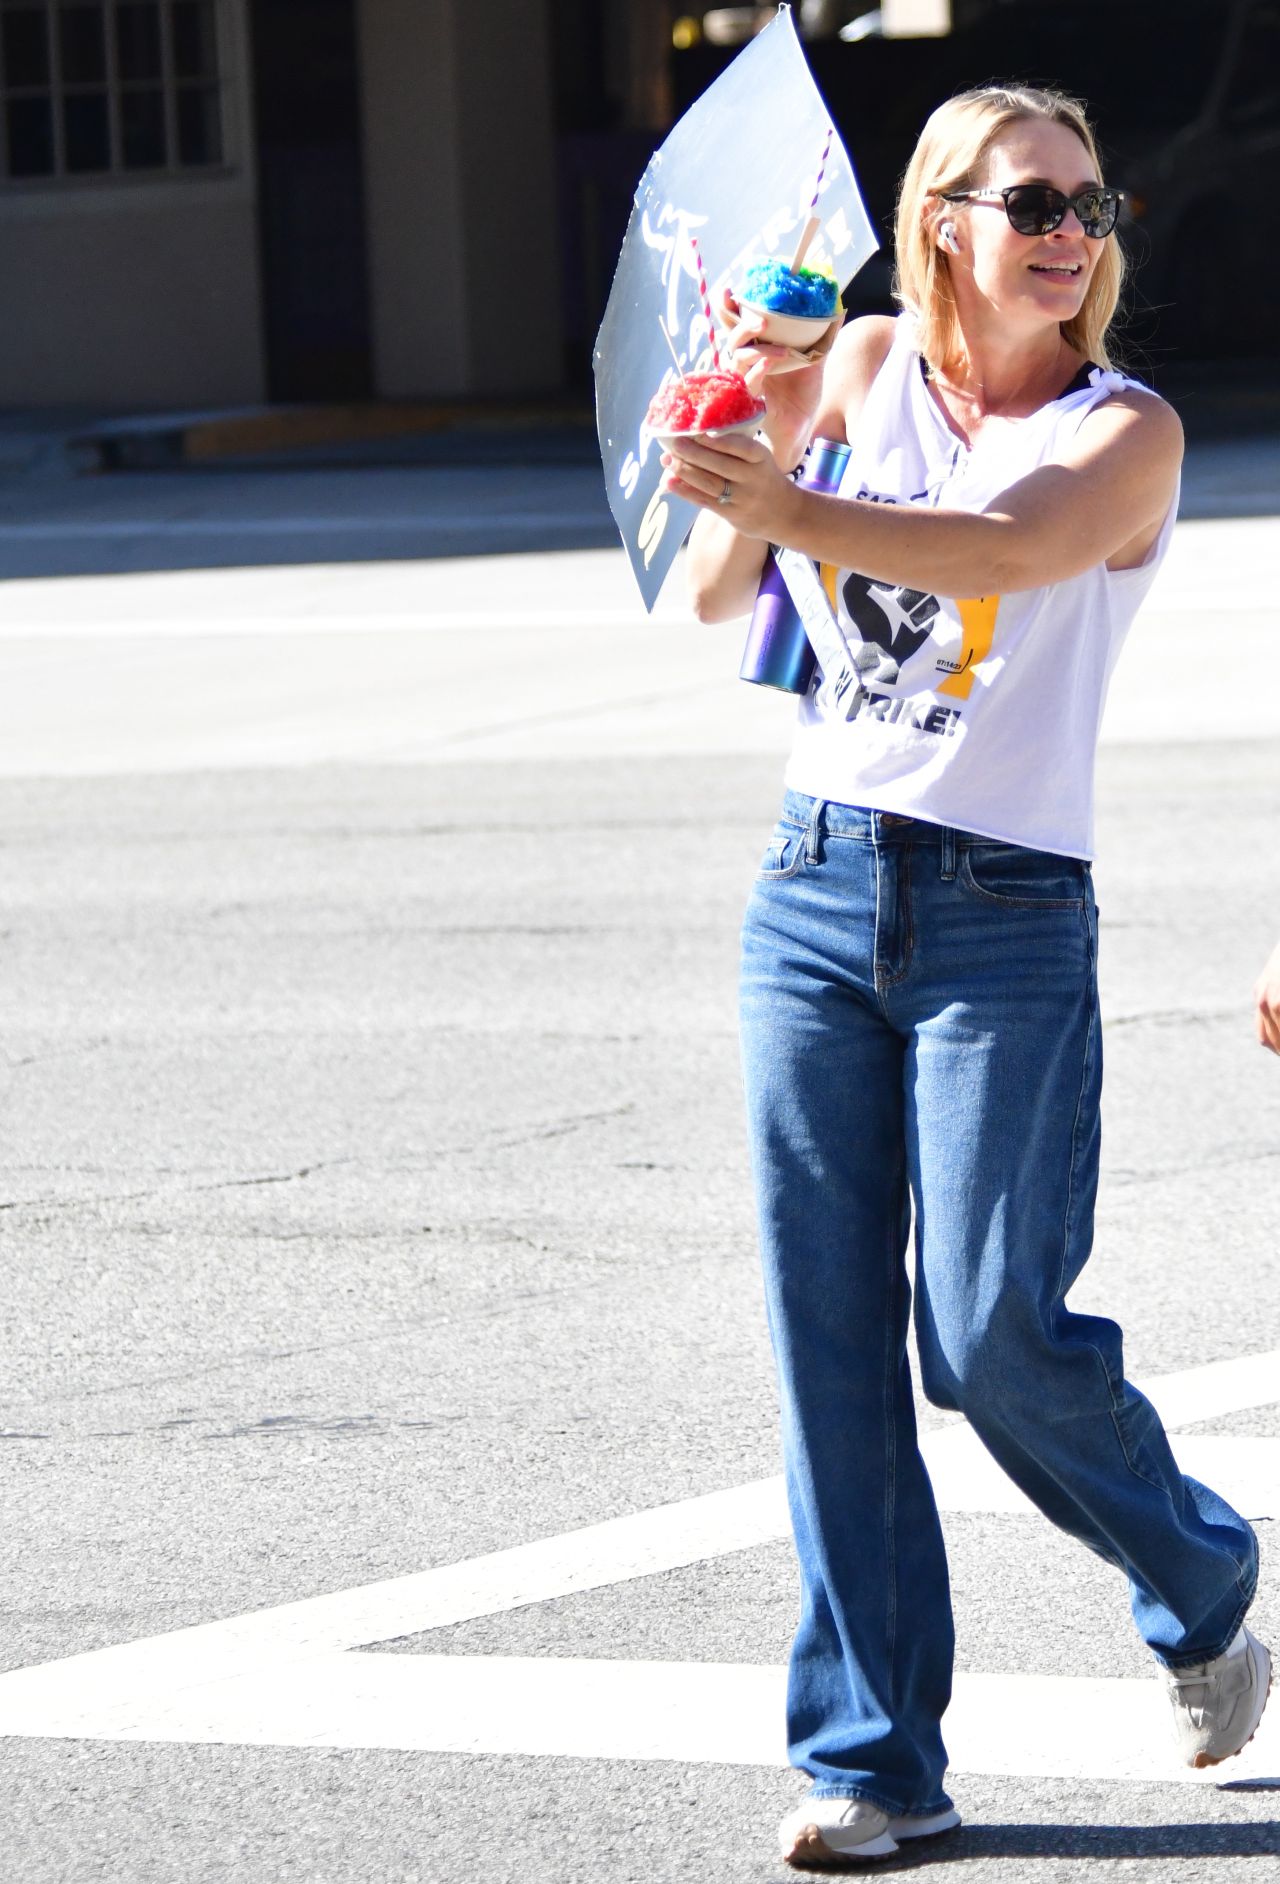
(778, 653)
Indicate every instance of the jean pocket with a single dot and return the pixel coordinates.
(1017, 878)
(784, 856)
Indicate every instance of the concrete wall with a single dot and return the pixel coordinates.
(134, 292)
(128, 300)
(137, 292)
(460, 197)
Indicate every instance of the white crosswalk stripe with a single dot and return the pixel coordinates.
(691, 1712)
(283, 1676)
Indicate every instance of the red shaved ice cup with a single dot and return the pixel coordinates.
(704, 405)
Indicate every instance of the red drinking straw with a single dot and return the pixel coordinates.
(706, 298)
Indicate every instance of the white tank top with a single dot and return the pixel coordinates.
(981, 713)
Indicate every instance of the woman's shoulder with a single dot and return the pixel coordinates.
(1129, 445)
(861, 349)
(1136, 412)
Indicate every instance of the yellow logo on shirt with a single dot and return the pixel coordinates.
(978, 622)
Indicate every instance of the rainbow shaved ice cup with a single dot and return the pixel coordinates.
(795, 305)
(704, 405)
(774, 287)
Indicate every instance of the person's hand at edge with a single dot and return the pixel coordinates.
(1266, 994)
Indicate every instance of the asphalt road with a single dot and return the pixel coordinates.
(374, 1201)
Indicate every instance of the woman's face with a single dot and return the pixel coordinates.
(1027, 278)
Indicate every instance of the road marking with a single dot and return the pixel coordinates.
(1207, 1392)
(1246, 1472)
(425, 620)
(419, 523)
(572, 1708)
(280, 1675)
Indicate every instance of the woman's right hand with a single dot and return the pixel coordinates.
(789, 381)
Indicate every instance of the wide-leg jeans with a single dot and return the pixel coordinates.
(920, 1027)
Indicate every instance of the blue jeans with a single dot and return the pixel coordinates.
(920, 1026)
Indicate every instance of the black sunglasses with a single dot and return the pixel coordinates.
(1035, 208)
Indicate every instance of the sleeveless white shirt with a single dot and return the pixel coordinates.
(982, 712)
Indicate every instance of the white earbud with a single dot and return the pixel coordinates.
(948, 237)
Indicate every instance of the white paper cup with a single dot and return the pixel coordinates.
(790, 330)
(743, 426)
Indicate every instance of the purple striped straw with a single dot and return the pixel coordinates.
(706, 298)
(822, 167)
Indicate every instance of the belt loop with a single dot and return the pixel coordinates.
(948, 854)
(813, 836)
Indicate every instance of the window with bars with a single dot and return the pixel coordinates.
(92, 87)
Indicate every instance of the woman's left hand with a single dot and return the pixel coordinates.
(736, 478)
(787, 379)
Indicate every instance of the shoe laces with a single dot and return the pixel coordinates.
(1192, 1688)
(1195, 1676)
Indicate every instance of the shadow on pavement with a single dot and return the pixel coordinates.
(405, 500)
(456, 493)
(1097, 1842)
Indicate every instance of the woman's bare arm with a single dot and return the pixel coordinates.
(1117, 479)
(722, 565)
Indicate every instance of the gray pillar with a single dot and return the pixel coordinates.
(460, 193)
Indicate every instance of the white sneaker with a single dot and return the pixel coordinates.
(847, 1831)
(1217, 1705)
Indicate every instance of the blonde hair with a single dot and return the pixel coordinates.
(949, 155)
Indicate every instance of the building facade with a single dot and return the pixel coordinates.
(211, 203)
(220, 202)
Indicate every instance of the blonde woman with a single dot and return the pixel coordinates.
(919, 1006)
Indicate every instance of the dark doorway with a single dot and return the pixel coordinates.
(600, 160)
(311, 199)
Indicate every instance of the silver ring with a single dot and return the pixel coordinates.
(726, 495)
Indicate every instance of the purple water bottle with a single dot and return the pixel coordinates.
(778, 653)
